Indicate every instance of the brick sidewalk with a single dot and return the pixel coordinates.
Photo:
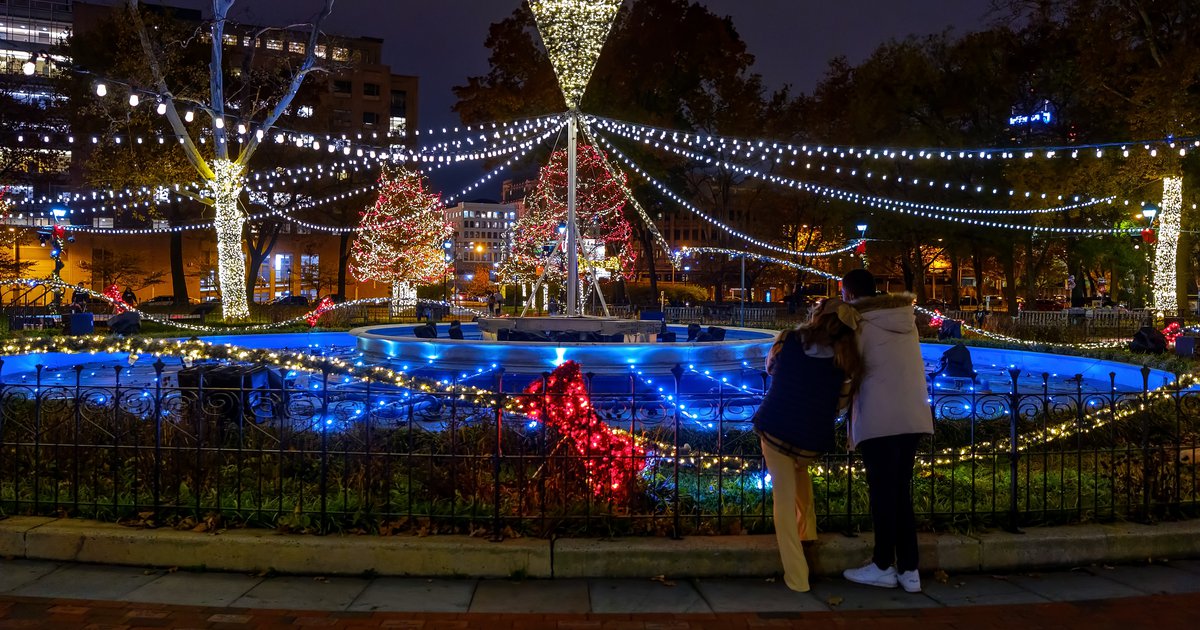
(1163, 611)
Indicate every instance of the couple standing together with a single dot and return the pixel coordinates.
(860, 352)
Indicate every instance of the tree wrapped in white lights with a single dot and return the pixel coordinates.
(1166, 254)
(400, 238)
(224, 171)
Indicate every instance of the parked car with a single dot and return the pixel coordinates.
(165, 300)
(290, 300)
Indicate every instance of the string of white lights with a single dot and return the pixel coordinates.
(1074, 151)
(63, 286)
(617, 177)
(845, 195)
(512, 140)
(669, 145)
(696, 211)
(880, 203)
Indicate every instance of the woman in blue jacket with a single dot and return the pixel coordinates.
(815, 369)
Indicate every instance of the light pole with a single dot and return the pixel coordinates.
(1149, 211)
(447, 246)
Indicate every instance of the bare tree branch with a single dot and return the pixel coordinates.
(285, 101)
(160, 83)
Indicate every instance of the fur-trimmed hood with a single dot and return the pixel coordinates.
(892, 312)
(883, 300)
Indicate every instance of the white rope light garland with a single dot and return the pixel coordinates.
(674, 147)
(696, 211)
(1074, 151)
(874, 202)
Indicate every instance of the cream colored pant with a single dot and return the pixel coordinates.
(795, 512)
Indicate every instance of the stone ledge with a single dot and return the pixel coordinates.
(696, 556)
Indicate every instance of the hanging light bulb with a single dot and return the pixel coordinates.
(189, 116)
(162, 108)
(133, 100)
(29, 67)
(101, 89)
(241, 129)
(219, 123)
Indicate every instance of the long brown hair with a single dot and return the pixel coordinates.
(825, 328)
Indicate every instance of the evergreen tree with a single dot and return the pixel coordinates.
(400, 237)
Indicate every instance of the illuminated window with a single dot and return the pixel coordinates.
(296, 47)
(398, 126)
(305, 111)
(310, 275)
(341, 54)
(274, 44)
(229, 40)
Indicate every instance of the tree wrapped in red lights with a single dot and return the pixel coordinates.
(605, 237)
(400, 238)
(612, 459)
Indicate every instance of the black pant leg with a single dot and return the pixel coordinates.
(876, 454)
(904, 452)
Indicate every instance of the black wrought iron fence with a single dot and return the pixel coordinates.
(319, 453)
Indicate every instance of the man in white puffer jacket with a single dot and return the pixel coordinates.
(889, 415)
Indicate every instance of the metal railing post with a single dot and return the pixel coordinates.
(1014, 524)
(677, 524)
(497, 528)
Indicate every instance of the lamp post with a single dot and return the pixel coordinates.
(1149, 211)
(448, 247)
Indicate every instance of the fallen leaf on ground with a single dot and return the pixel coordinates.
(662, 579)
(834, 600)
(941, 576)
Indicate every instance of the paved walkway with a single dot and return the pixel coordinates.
(49, 594)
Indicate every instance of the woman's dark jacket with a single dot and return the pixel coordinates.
(801, 404)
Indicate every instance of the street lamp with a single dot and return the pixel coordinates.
(1150, 211)
(862, 229)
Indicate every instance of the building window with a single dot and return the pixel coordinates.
(262, 282)
(229, 40)
(283, 275)
(102, 222)
(341, 54)
(399, 103)
(310, 275)
(398, 126)
(296, 47)
(304, 111)
(274, 44)
(342, 87)
(320, 51)
(370, 118)
(208, 282)
(161, 224)
(341, 117)
(370, 89)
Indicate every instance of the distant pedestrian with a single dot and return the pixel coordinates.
(491, 303)
(815, 368)
(498, 301)
(129, 297)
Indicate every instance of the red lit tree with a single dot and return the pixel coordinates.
(605, 237)
(612, 459)
(400, 238)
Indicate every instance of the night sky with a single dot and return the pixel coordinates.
(441, 41)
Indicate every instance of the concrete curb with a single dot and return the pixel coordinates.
(71, 540)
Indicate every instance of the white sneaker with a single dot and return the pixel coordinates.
(872, 575)
(910, 580)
